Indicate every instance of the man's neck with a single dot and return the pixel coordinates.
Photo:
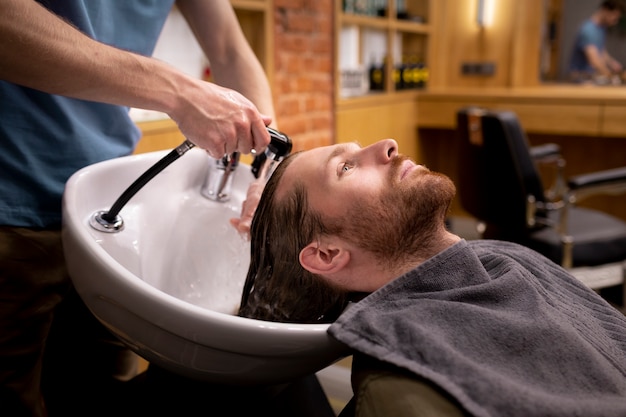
(598, 18)
(441, 243)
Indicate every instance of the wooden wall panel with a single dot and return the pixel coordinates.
(159, 135)
(555, 118)
(368, 124)
(614, 122)
(512, 42)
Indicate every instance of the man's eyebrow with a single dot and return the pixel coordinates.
(340, 150)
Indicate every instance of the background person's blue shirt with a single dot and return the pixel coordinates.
(45, 138)
(588, 34)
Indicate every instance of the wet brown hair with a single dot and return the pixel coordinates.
(277, 287)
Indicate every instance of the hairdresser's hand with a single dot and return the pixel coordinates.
(615, 67)
(219, 119)
(243, 223)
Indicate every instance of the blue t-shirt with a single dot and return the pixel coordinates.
(588, 34)
(45, 138)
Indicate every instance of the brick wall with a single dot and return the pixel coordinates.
(303, 78)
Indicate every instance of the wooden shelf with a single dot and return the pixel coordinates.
(258, 5)
(398, 40)
(410, 27)
(376, 99)
(384, 23)
(364, 21)
(390, 112)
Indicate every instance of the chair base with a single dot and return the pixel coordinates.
(601, 276)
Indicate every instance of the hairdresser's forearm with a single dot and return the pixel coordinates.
(612, 64)
(41, 51)
(233, 63)
(596, 60)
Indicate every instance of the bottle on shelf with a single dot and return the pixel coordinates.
(366, 7)
(421, 75)
(401, 12)
(377, 76)
(406, 73)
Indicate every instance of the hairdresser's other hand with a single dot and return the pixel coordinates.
(253, 196)
(615, 67)
(220, 120)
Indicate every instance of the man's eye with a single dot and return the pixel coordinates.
(345, 167)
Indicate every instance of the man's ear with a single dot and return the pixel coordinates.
(323, 258)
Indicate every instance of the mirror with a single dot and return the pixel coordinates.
(562, 19)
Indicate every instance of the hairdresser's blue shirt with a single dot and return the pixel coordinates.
(45, 138)
(588, 34)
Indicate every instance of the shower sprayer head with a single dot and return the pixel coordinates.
(264, 163)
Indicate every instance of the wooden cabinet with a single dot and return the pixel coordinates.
(381, 45)
(551, 109)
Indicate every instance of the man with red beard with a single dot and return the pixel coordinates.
(438, 325)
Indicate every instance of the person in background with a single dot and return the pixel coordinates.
(356, 237)
(69, 71)
(590, 59)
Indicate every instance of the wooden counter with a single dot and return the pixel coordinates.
(587, 122)
(158, 135)
(554, 109)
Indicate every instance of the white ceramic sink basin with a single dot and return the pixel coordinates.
(169, 283)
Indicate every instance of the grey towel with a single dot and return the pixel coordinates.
(502, 329)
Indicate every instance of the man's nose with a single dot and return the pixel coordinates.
(385, 150)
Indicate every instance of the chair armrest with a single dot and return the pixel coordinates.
(549, 155)
(548, 150)
(610, 181)
(609, 176)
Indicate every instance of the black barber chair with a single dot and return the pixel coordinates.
(499, 184)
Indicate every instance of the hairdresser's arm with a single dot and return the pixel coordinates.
(41, 51)
(233, 64)
(596, 60)
(613, 64)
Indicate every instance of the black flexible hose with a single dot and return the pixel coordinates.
(159, 166)
(280, 146)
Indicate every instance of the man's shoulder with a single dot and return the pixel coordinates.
(590, 32)
(487, 249)
(496, 245)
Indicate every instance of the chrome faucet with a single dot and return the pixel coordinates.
(218, 183)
